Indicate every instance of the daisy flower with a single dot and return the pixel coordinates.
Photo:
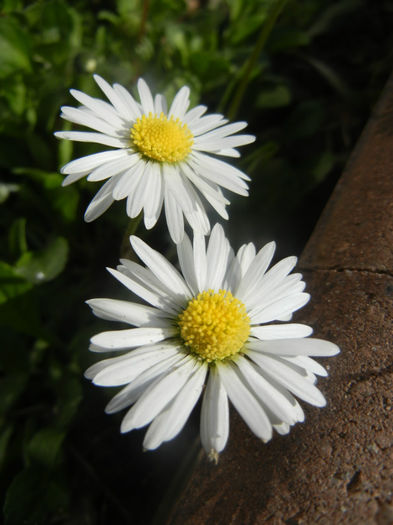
(159, 157)
(214, 325)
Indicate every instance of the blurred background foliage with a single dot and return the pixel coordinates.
(304, 74)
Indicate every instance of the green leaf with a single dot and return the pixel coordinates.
(44, 447)
(17, 238)
(322, 165)
(11, 387)
(40, 149)
(288, 38)
(65, 147)
(14, 48)
(16, 96)
(32, 496)
(11, 5)
(6, 190)
(63, 201)
(44, 265)
(20, 313)
(258, 158)
(327, 17)
(274, 97)
(306, 119)
(4, 439)
(246, 27)
(60, 30)
(11, 283)
(335, 80)
(69, 393)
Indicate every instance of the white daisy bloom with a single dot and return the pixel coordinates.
(213, 324)
(159, 157)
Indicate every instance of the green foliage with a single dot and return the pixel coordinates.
(304, 77)
(15, 49)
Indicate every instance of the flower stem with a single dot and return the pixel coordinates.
(145, 12)
(266, 29)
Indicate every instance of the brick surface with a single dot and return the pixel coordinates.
(337, 466)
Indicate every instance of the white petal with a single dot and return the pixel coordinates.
(245, 402)
(145, 291)
(229, 152)
(266, 293)
(70, 179)
(222, 178)
(174, 217)
(133, 110)
(100, 107)
(256, 270)
(113, 97)
(91, 136)
(289, 287)
(180, 103)
(154, 195)
(137, 199)
(197, 218)
(112, 168)
(123, 370)
(266, 393)
(281, 331)
(217, 204)
(223, 131)
(90, 162)
(101, 201)
(175, 185)
(194, 114)
(245, 255)
(90, 120)
(132, 337)
(169, 298)
(282, 428)
(217, 258)
(96, 368)
(130, 393)
(161, 268)
(293, 347)
(157, 396)
(309, 364)
(284, 318)
(284, 374)
(172, 419)
(233, 275)
(214, 416)
(264, 285)
(212, 164)
(208, 189)
(279, 308)
(297, 409)
(128, 181)
(215, 145)
(185, 255)
(200, 261)
(127, 312)
(204, 124)
(145, 96)
(160, 105)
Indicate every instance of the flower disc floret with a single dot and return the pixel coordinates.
(214, 326)
(162, 139)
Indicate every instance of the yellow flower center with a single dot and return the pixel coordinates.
(214, 325)
(162, 139)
